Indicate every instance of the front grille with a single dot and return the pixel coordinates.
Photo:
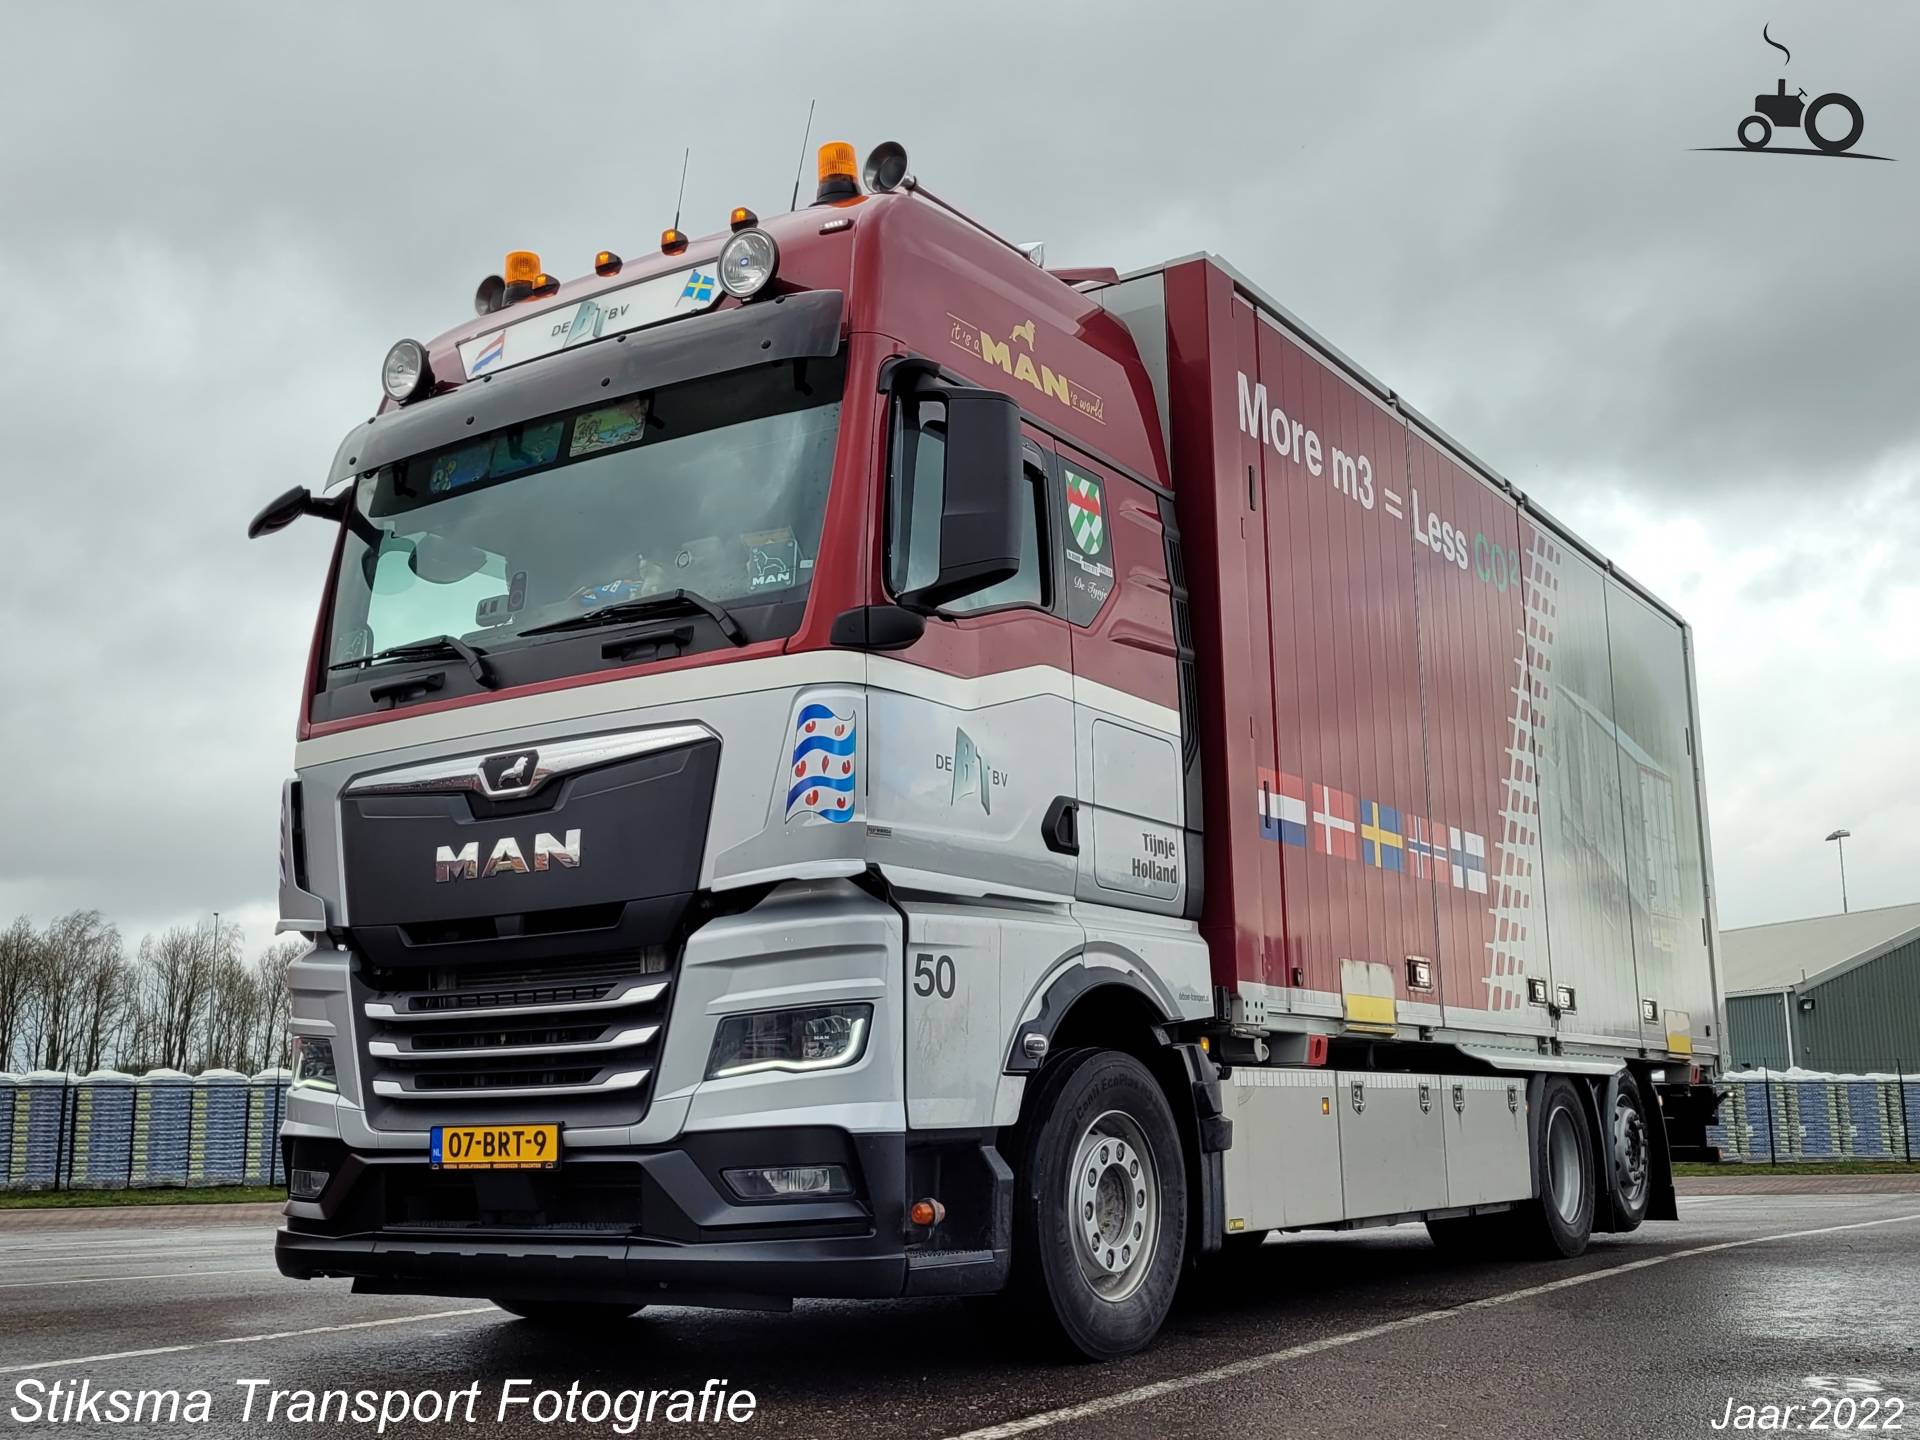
(575, 1042)
(500, 999)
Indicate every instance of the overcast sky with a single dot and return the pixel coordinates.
(214, 220)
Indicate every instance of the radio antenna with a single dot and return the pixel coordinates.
(681, 198)
(801, 168)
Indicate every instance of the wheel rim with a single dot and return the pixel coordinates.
(1566, 1167)
(1630, 1152)
(1113, 1200)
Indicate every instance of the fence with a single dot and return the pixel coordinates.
(108, 1131)
(1770, 1116)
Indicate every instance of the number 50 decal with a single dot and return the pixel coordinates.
(933, 975)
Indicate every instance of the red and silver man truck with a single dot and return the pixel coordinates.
(838, 761)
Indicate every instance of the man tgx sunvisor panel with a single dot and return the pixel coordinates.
(790, 327)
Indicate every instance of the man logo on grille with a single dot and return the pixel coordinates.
(509, 772)
(1085, 517)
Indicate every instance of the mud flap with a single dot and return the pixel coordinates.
(1213, 1132)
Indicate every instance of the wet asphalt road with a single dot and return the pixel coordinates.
(1374, 1334)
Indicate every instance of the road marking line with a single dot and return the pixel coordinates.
(245, 1340)
(113, 1279)
(122, 1257)
(1254, 1363)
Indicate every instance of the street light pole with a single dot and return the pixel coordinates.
(1840, 838)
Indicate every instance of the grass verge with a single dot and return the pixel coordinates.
(82, 1199)
(1803, 1167)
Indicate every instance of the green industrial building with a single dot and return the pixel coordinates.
(1836, 993)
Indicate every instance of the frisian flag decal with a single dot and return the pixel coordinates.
(824, 766)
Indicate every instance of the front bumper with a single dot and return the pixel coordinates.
(657, 1225)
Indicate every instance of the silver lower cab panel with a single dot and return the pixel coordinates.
(1319, 1147)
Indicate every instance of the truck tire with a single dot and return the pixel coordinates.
(568, 1314)
(1632, 1144)
(1100, 1209)
(1558, 1224)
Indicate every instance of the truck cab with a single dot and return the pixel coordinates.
(743, 722)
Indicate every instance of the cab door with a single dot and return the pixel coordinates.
(972, 724)
(1130, 777)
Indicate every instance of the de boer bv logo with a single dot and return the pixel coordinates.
(1819, 121)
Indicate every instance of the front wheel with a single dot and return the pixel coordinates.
(1100, 1228)
(568, 1314)
(1755, 131)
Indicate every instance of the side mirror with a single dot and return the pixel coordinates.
(283, 510)
(982, 495)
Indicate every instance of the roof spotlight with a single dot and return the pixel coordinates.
(886, 166)
(747, 262)
(405, 374)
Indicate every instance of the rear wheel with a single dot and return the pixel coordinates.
(1101, 1211)
(1856, 122)
(1632, 1155)
(1560, 1222)
(568, 1314)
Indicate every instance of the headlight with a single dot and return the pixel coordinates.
(404, 373)
(747, 263)
(820, 1037)
(313, 1064)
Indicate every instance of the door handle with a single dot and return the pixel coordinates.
(1060, 830)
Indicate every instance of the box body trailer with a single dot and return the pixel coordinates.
(1450, 752)
(839, 762)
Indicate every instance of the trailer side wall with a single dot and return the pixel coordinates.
(1442, 743)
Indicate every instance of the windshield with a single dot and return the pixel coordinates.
(717, 487)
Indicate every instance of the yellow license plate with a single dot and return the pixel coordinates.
(496, 1147)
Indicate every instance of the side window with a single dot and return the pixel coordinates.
(1028, 585)
(916, 494)
(916, 491)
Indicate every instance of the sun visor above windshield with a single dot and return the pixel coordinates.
(786, 327)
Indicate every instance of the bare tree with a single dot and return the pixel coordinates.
(76, 969)
(179, 969)
(231, 1018)
(19, 961)
(106, 993)
(270, 1045)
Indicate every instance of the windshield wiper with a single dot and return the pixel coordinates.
(431, 647)
(645, 605)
